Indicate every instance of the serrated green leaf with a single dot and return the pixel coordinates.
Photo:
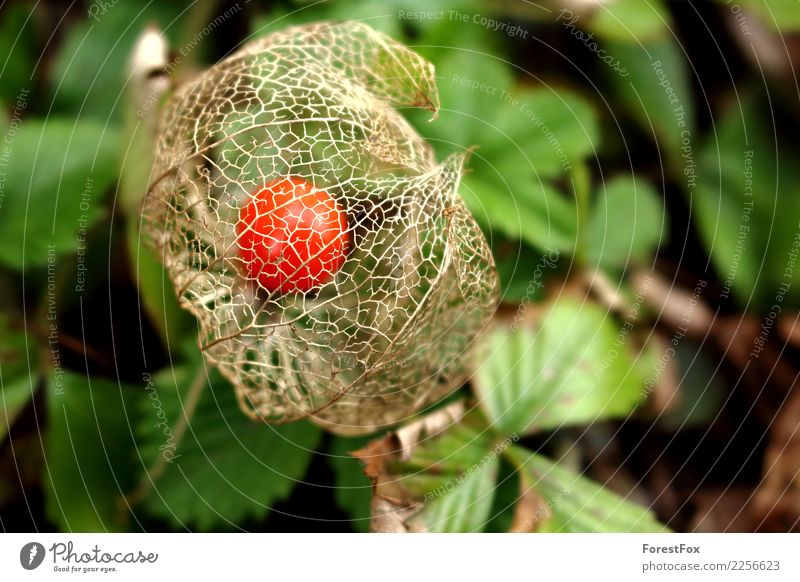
(746, 205)
(226, 468)
(18, 376)
(576, 503)
(58, 171)
(522, 136)
(657, 94)
(538, 135)
(353, 490)
(468, 507)
(470, 88)
(454, 474)
(627, 223)
(567, 371)
(90, 451)
(531, 210)
(540, 131)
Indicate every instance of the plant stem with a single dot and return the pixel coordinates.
(199, 382)
(581, 185)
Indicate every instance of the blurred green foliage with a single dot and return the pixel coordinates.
(550, 176)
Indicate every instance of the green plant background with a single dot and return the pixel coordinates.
(574, 162)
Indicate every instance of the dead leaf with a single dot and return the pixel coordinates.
(428, 426)
(721, 510)
(789, 328)
(531, 508)
(393, 507)
(776, 506)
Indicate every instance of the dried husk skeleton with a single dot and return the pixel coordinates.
(394, 329)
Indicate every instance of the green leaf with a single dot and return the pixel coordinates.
(657, 94)
(90, 451)
(392, 17)
(445, 479)
(468, 507)
(18, 376)
(627, 223)
(531, 210)
(470, 90)
(540, 131)
(226, 468)
(530, 135)
(278, 17)
(353, 490)
(441, 31)
(567, 371)
(577, 504)
(379, 14)
(521, 134)
(17, 49)
(90, 67)
(506, 497)
(523, 270)
(454, 474)
(746, 205)
(631, 21)
(779, 14)
(57, 173)
(156, 291)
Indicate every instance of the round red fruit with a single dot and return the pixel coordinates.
(292, 236)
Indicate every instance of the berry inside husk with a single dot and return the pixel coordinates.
(292, 236)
